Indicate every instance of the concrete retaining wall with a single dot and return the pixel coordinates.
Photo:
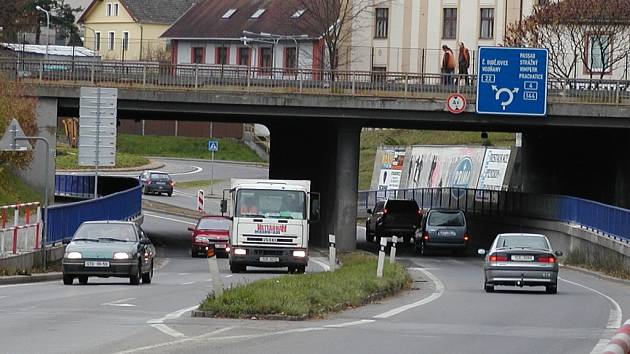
(28, 261)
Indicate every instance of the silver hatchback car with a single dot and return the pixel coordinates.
(517, 259)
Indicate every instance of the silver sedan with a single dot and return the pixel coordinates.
(518, 259)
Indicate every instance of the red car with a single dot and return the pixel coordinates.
(210, 230)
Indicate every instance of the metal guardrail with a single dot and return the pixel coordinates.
(235, 78)
(600, 217)
(120, 202)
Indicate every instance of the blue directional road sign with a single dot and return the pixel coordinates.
(213, 145)
(512, 81)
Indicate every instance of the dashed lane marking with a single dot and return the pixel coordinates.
(120, 303)
(349, 324)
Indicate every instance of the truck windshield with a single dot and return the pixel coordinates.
(276, 204)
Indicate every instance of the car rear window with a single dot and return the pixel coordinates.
(446, 218)
(214, 224)
(522, 242)
(160, 176)
(404, 206)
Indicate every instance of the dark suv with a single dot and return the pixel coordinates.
(445, 229)
(156, 182)
(393, 217)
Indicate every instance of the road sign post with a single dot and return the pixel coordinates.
(512, 81)
(213, 146)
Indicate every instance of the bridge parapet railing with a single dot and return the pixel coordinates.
(607, 219)
(240, 78)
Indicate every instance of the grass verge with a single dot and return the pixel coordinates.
(198, 184)
(311, 295)
(611, 264)
(68, 158)
(13, 190)
(177, 146)
(372, 139)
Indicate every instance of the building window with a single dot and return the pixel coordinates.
(97, 41)
(599, 48)
(110, 42)
(542, 2)
(115, 9)
(125, 41)
(243, 56)
(228, 14)
(258, 13)
(486, 31)
(266, 59)
(198, 55)
(109, 10)
(378, 73)
(449, 27)
(382, 19)
(290, 59)
(222, 56)
(298, 13)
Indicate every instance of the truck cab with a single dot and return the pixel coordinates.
(270, 223)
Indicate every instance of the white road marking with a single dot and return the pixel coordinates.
(167, 344)
(324, 266)
(169, 219)
(228, 276)
(25, 284)
(439, 290)
(167, 330)
(615, 316)
(173, 315)
(188, 283)
(182, 274)
(120, 303)
(197, 169)
(349, 324)
(3, 297)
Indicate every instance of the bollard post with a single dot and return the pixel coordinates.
(15, 233)
(201, 201)
(392, 251)
(27, 229)
(332, 252)
(381, 258)
(37, 226)
(16, 222)
(214, 271)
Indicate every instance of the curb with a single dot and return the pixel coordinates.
(151, 166)
(597, 274)
(246, 163)
(210, 314)
(35, 278)
(620, 343)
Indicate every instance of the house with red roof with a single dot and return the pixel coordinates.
(256, 34)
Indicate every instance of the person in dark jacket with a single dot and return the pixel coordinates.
(464, 62)
(448, 65)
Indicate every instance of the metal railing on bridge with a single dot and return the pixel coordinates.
(237, 78)
(607, 219)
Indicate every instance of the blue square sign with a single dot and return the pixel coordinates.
(213, 145)
(512, 81)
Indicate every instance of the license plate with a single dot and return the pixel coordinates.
(446, 233)
(219, 245)
(270, 239)
(269, 259)
(161, 183)
(101, 264)
(521, 258)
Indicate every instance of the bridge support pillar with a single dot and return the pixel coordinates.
(327, 154)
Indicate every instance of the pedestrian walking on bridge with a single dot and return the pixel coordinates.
(448, 65)
(464, 63)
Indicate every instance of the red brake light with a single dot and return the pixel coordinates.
(466, 237)
(547, 259)
(385, 211)
(498, 258)
(171, 183)
(420, 212)
(425, 235)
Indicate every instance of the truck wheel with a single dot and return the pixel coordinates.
(68, 279)
(236, 268)
(300, 269)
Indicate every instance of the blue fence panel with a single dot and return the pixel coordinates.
(65, 219)
(74, 186)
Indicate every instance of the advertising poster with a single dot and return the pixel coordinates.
(390, 168)
(492, 177)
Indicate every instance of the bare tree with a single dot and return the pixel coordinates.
(594, 34)
(336, 21)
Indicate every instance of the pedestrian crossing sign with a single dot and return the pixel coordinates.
(213, 145)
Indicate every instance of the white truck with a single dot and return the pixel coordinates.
(270, 223)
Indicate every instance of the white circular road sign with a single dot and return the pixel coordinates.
(456, 103)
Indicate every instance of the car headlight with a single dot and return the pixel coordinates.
(121, 255)
(240, 251)
(74, 255)
(201, 239)
(300, 254)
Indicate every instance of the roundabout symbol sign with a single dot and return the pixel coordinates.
(456, 103)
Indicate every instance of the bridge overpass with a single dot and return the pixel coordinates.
(315, 118)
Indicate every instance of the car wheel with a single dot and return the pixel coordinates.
(146, 278)
(170, 194)
(83, 279)
(297, 269)
(369, 236)
(134, 279)
(68, 279)
(407, 240)
(489, 288)
(236, 268)
(551, 289)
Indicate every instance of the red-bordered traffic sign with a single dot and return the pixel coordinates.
(456, 103)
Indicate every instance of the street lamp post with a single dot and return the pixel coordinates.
(39, 8)
(93, 49)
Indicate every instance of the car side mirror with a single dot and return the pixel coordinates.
(369, 211)
(223, 206)
(558, 253)
(191, 229)
(481, 252)
(145, 241)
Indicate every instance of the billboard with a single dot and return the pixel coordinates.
(388, 168)
(492, 176)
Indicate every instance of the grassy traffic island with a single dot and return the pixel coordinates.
(300, 297)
